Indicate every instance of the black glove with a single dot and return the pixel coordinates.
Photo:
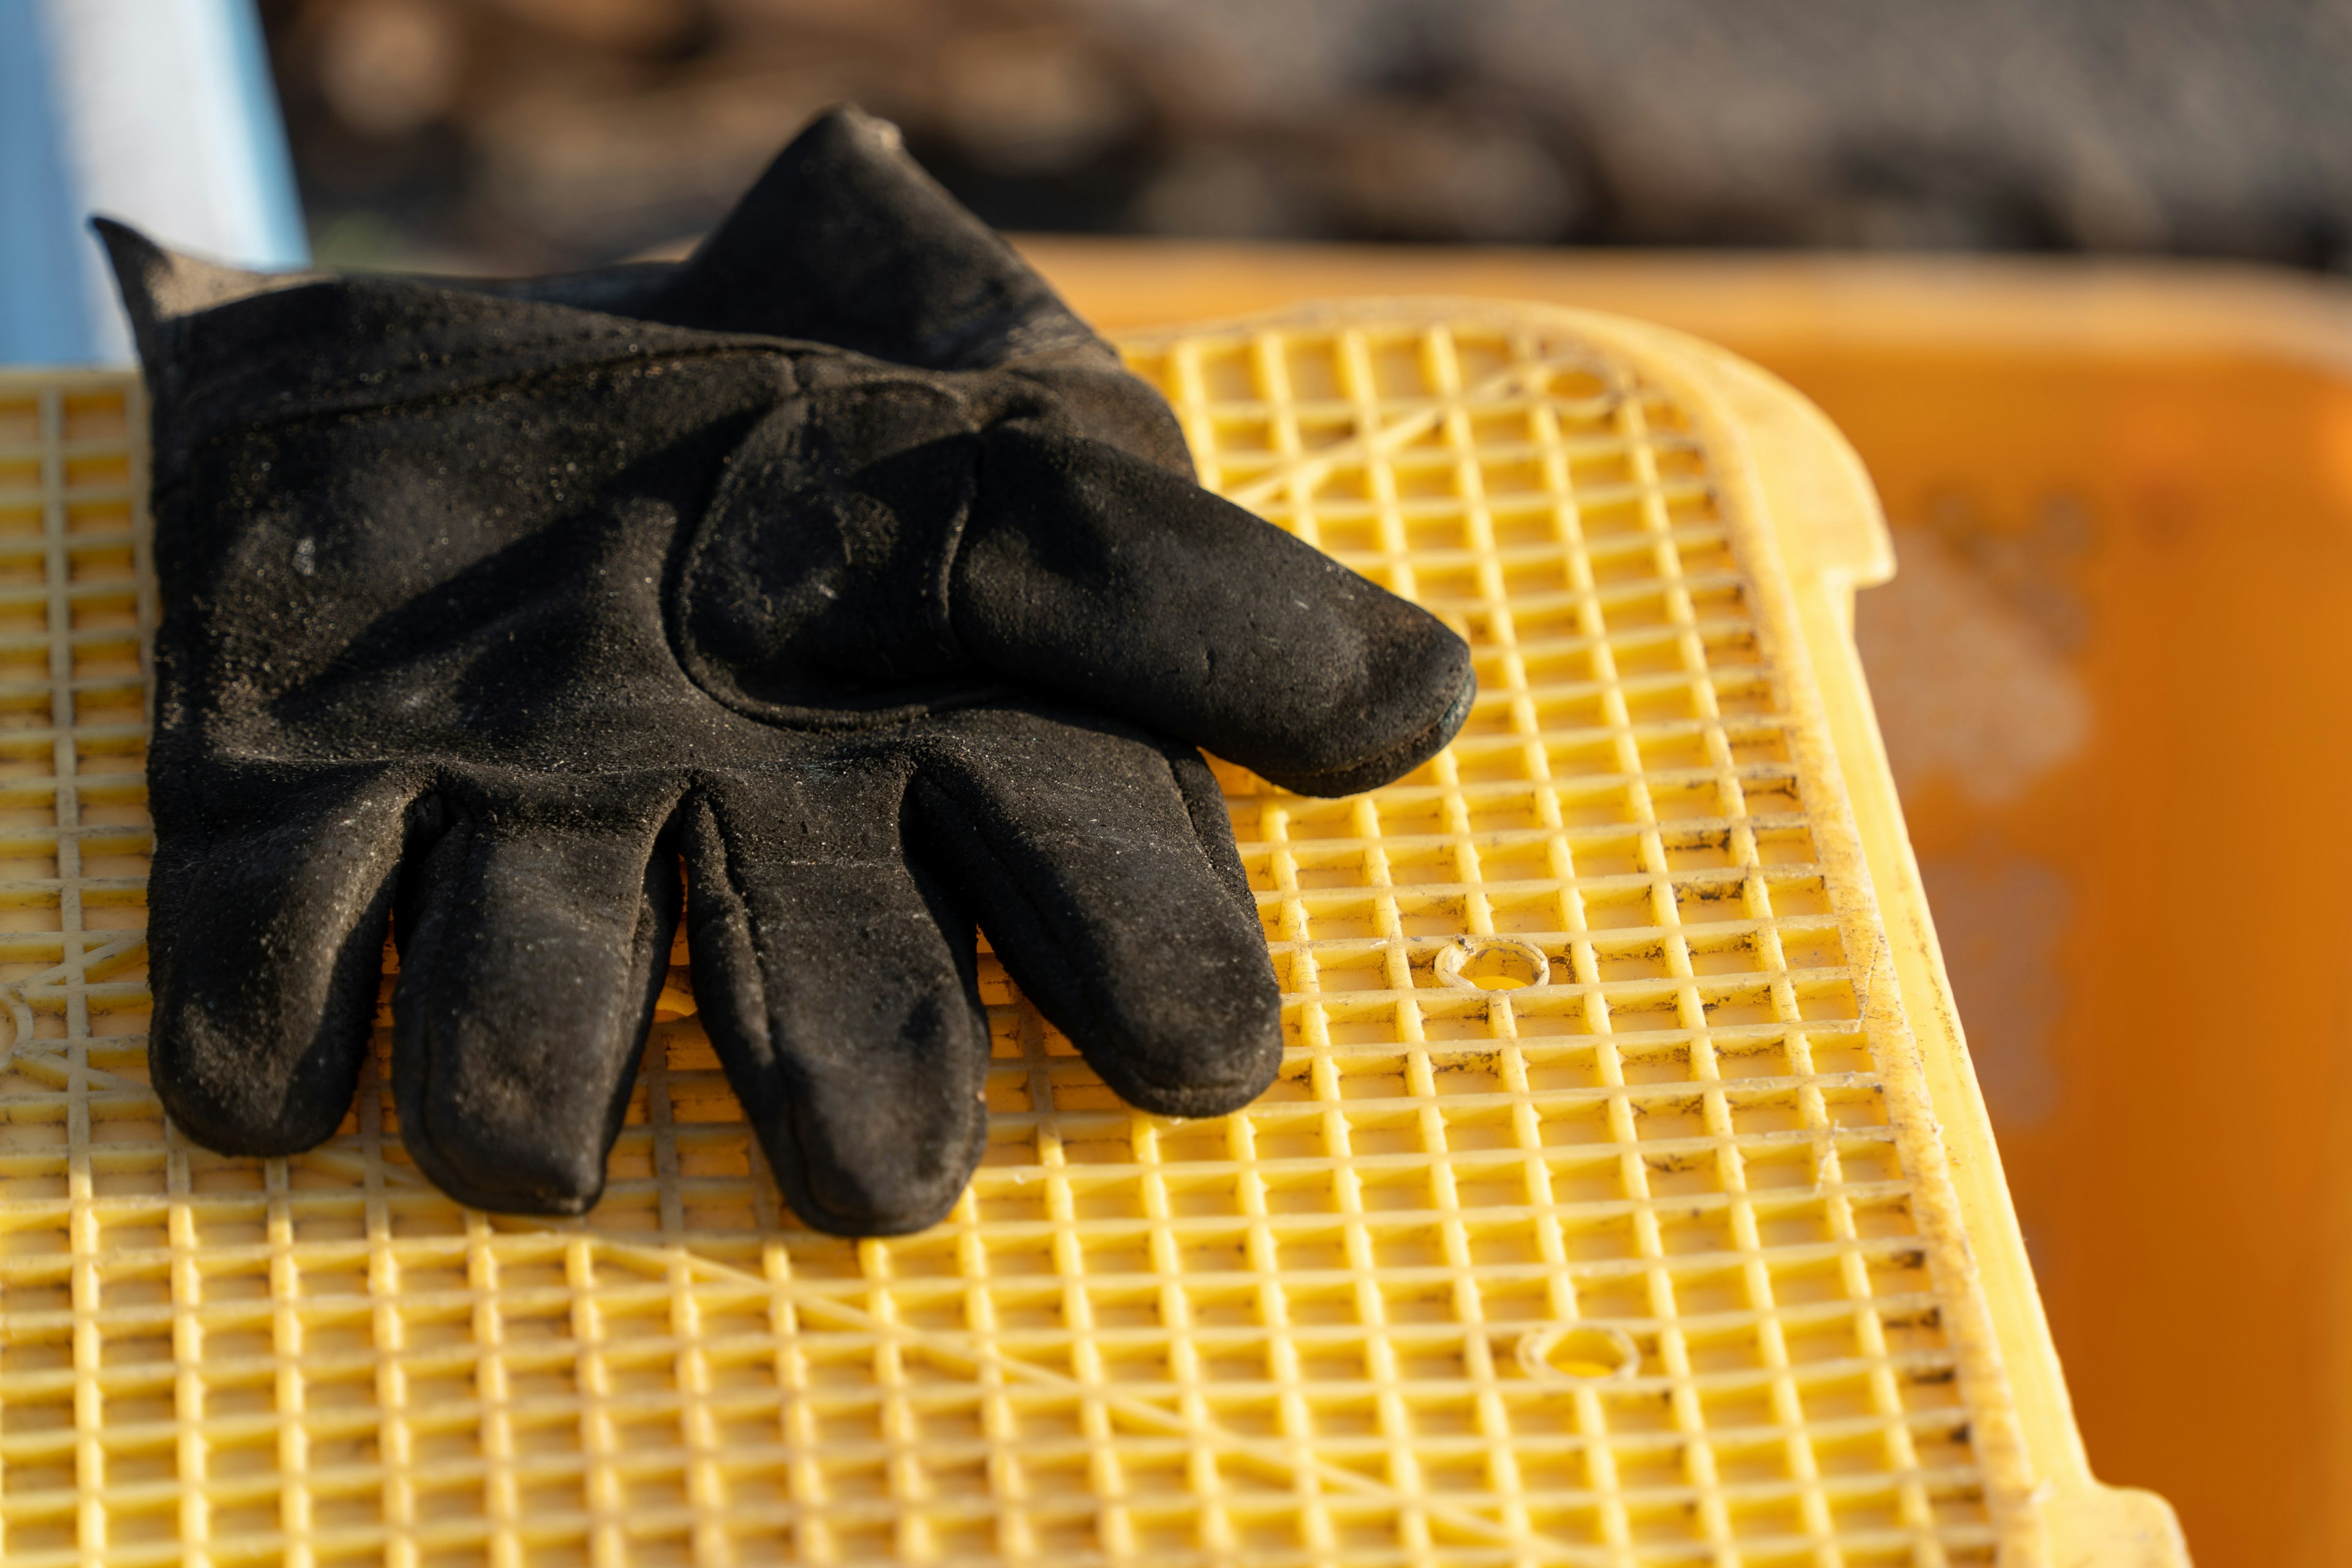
(483, 608)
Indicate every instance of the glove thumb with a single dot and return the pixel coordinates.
(1092, 572)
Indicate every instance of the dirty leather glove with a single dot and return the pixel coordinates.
(839, 562)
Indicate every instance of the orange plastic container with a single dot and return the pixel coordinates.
(2116, 677)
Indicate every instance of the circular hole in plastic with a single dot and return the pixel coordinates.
(1582, 1352)
(1494, 963)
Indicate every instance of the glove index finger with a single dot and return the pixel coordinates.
(1089, 572)
(837, 980)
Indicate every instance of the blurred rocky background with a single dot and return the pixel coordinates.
(525, 134)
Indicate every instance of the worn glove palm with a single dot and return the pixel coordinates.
(841, 563)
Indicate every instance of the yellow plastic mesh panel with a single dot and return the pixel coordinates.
(1579, 1228)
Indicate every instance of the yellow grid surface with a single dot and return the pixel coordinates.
(1579, 1228)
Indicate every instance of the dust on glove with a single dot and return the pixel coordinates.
(838, 565)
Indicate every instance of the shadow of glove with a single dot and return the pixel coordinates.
(483, 609)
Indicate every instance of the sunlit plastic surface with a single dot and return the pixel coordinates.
(1600, 1214)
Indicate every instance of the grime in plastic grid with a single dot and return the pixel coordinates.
(1573, 1231)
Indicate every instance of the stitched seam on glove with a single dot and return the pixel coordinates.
(320, 408)
(942, 574)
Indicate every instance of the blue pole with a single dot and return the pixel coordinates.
(159, 112)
